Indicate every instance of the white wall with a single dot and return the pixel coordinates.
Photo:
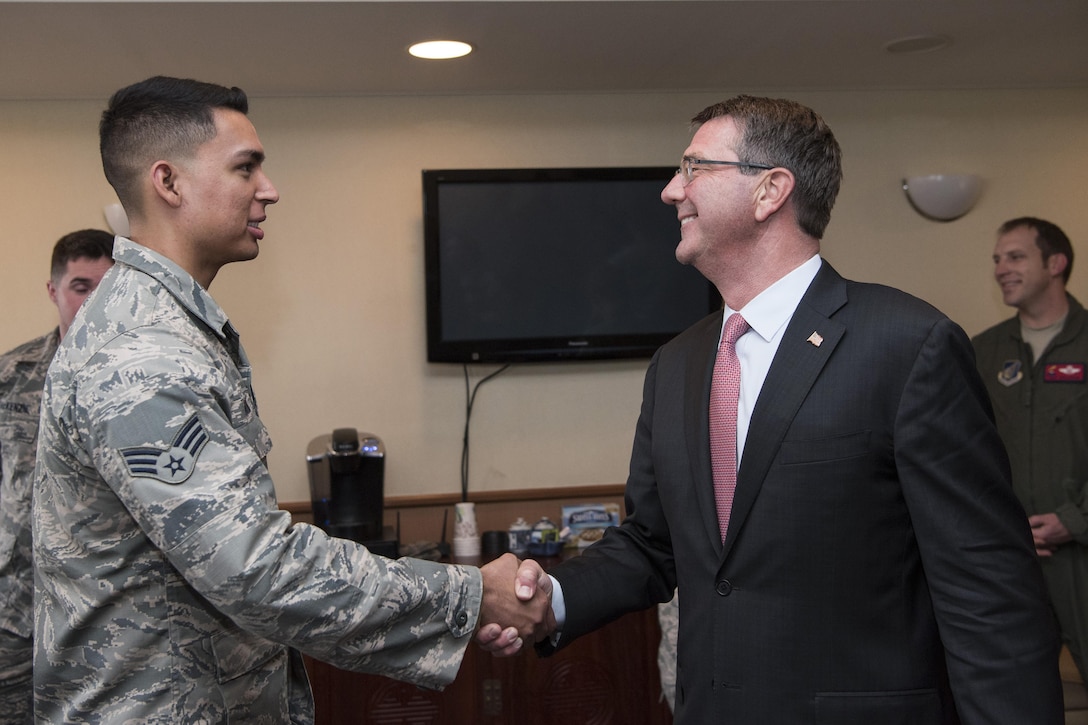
(332, 314)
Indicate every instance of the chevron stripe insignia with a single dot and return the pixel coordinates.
(173, 465)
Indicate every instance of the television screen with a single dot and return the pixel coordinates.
(554, 264)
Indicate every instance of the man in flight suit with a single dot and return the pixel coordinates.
(1034, 366)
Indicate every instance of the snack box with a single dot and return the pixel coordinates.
(586, 523)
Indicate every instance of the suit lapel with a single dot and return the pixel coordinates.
(795, 368)
(698, 371)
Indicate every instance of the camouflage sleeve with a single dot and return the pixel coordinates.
(22, 375)
(16, 575)
(174, 431)
(668, 616)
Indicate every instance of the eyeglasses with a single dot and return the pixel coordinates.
(688, 164)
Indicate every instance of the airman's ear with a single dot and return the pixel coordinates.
(164, 182)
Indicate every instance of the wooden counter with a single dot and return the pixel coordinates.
(609, 677)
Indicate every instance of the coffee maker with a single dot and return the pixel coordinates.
(347, 480)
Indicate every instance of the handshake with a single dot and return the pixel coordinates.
(517, 605)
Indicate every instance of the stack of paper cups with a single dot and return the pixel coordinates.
(466, 538)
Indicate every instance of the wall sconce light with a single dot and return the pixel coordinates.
(943, 197)
(117, 219)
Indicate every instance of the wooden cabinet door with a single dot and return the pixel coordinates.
(609, 677)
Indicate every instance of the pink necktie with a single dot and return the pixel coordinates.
(724, 392)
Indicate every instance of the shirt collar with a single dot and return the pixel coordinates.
(772, 308)
(179, 283)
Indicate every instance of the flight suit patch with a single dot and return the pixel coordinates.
(1011, 373)
(1064, 373)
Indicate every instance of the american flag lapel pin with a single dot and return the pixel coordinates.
(815, 338)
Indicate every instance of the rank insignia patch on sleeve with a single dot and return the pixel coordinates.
(173, 465)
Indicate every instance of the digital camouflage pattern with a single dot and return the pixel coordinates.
(171, 589)
(22, 376)
(668, 617)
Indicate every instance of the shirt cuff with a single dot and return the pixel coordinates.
(559, 609)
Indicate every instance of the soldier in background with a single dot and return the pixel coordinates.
(79, 261)
(1035, 366)
(170, 587)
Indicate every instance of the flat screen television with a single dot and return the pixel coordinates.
(527, 265)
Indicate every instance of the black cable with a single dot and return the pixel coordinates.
(470, 398)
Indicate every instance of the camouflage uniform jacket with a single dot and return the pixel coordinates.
(22, 375)
(170, 587)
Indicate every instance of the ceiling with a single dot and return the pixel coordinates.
(86, 50)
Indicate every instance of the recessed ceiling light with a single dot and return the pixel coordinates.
(917, 44)
(440, 49)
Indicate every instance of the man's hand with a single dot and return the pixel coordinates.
(516, 605)
(1049, 533)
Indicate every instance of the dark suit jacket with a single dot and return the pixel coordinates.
(877, 562)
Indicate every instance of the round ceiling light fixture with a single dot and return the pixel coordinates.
(440, 49)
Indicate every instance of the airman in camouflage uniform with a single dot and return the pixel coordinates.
(170, 581)
(79, 261)
(170, 588)
(22, 375)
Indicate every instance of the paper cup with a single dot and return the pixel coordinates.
(466, 546)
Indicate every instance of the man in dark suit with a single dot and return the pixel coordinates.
(874, 566)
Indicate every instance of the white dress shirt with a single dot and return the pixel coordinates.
(768, 315)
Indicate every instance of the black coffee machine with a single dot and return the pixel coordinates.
(347, 488)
